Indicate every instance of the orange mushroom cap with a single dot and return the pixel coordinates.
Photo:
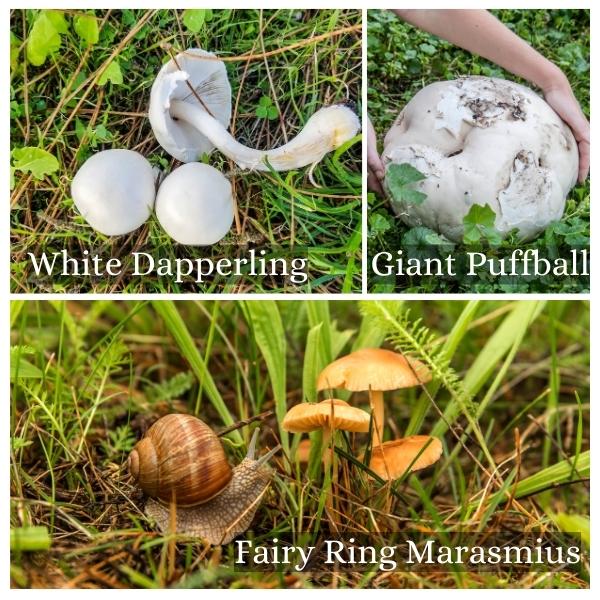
(399, 454)
(374, 369)
(332, 414)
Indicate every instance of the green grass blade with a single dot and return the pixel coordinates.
(269, 335)
(184, 340)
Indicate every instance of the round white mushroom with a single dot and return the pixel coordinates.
(114, 191)
(481, 140)
(194, 205)
(188, 124)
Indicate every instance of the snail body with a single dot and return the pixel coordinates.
(180, 463)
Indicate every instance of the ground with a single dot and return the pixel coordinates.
(509, 395)
(67, 105)
(402, 60)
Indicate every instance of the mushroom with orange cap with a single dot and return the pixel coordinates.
(374, 370)
(327, 415)
(413, 453)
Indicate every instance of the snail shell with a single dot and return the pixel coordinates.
(180, 458)
(181, 465)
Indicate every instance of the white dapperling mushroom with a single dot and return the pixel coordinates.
(194, 205)
(114, 191)
(481, 140)
(189, 123)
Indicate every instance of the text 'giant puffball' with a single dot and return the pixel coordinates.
(481, 140)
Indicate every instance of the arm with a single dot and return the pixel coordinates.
(478, 31)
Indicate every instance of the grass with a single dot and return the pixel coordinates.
(60, 108)
(401, 61)
(509, 396)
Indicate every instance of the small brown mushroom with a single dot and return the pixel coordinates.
(374, 370)
(392, 459)
(327, 415)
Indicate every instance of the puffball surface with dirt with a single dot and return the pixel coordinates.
(482, 140)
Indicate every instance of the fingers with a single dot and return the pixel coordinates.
(374, 182)
(584, 160)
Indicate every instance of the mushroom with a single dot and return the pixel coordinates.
(190, 108)
(114, 191)
(481, 140)
(392, 459)
(374, 370)
(195, 205)
(327, 415)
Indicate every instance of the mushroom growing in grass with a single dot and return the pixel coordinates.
(190, 108)
(374, 370)
(195, 205)
(392, 459)
(328, 415)
(114, 191)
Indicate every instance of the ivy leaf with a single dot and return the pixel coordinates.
(479, 225)
(33, 160)
(112, 73)
(194, 18)
(399, 178)
(44, 38)
(378, 224)
(86, 27)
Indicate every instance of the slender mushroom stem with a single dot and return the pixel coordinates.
(327, 460)
(325, 131)
(378, 410)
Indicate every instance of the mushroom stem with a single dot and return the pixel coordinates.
(325, 131)
(328, 461)
(377, 408)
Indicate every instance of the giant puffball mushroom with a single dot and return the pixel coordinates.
(374, 370)
(114, 191)
(392, 459)
(481, 140)
(175, 113)
(184, 80)
(195, 205)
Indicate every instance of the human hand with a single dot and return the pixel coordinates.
(375, 169)
(563, 101)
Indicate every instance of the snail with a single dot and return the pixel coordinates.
(180, 462)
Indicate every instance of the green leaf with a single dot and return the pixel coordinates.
(399, 178)
(272, 112)
(261, 112)
(112, 73)
(574, 524)
(479, 225)
(20, 368)
(44, 38)
(86, 27)
(378, 224)
(30, 539)
(33, 160)
(194, 18)
(57, 18)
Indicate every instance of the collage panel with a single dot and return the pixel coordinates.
(197, 150)
(478, 151)
(300, 444)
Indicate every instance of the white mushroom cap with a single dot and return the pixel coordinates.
(114, 191)
(210, 82)
(195, 205)
(480, 140)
